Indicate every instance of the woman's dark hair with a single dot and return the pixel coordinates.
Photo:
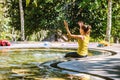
(86, 28)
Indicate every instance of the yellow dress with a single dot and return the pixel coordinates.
(83, 46)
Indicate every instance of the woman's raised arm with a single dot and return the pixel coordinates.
(69, 33)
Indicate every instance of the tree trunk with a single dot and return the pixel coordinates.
(116, 40)
(22, 20)
(109, 21)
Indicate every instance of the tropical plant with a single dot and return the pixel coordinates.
(115, 21)
(4, 27)
(49, 15)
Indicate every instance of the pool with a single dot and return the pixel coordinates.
(21, 64)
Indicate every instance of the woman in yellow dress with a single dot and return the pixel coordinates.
(83, 40)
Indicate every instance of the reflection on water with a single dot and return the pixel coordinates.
(21, 64)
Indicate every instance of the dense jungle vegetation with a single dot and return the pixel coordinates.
(44, 18)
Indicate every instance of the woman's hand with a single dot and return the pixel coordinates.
(80, 23)
(72, 35)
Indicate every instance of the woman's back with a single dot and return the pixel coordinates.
(83, 46)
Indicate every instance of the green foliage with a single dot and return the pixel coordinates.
(4, 27)
(49, 1)
(27, 2)
(49, 15)
(33, 1)
(91, 12)
(44, 16)
(116, 19)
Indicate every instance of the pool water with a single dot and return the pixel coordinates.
(21, 64)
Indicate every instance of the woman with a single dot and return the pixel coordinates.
(83, 40)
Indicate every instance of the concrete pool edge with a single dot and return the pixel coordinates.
(99, 64)
(114, 60)
(80, 71)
